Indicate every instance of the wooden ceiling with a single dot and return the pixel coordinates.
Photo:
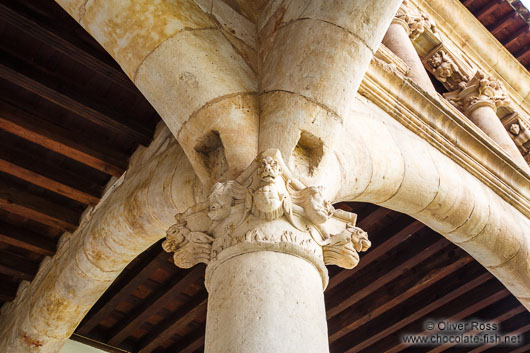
(508, 21)
(410, 274)
(69, 121)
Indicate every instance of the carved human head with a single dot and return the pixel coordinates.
(515, 129)
(318, 210)
(269, 170)
(445, 70)
(220, 201)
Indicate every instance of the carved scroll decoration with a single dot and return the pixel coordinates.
(266, 206)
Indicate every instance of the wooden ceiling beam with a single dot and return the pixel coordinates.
(25, 239)
(422, 311)
(27, 205)
(35, 129)
(190, 343)
(523, 53)
(516, 332)
(468, 3)
(498, 319)
(489, 300)
(408, 285)
(362, 289)
(515, 36)
(503, 22)
(154, 304)
(372, 255)
(51, 39)
(74, 105)
(15, 170)
(182, 318)
(522, 349)
(17, 267)
(488, 9)
(110, 305)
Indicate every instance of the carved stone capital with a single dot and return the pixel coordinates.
(266, 208)
(414, 21)
(480, 91)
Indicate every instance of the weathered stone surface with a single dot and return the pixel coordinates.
(314, 55)
(274, 303)
(295, 63)
(130, 31)
(76, 8)
(188, 76)
(235, 23)
(216, 145)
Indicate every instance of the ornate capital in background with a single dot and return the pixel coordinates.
(266, 208)
(414, 21)
(480, 91)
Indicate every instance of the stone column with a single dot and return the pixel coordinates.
(478, 100)
(266, 238)
(405, 27)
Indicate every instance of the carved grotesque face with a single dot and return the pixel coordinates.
(515, 129)
(445, 70)
(317, 209)
(220, 202)
(268, 170)
(436, 60)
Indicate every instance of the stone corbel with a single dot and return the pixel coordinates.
(266, 208)
(447, 68)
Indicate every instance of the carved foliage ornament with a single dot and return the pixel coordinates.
(481, 90)
(266, 208)
(447, 69)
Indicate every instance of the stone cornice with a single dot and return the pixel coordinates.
(458, 28)
(449, 131)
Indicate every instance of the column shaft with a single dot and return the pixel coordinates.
(486, 119)
(266, 302)
(398, 41)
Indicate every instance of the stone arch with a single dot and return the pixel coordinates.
(372, 157)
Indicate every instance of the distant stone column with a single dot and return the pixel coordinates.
(405, 26)
(478, 100)
(266, 238)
